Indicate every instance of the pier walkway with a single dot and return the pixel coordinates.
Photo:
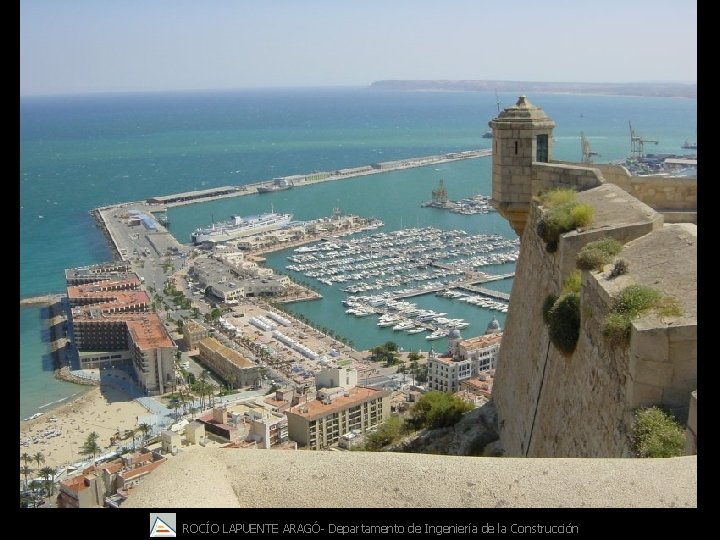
(466, 285)
(44, 300)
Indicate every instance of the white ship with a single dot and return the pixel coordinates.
(239, 226)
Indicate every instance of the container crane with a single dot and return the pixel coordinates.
(587, 152)
(637, 150)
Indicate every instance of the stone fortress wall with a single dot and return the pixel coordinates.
(581, 405)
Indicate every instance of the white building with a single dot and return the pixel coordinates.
(467, 358)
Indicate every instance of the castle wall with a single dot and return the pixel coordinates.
(563, 175)
(580, 405)
(666, 192)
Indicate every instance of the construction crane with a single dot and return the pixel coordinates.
(587, 152)
(637, 143)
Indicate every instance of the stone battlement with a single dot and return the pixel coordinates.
(553, 404)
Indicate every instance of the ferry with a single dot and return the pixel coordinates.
(239, 226)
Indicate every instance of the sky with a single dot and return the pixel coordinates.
(92, 46)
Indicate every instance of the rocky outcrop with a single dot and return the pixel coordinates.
(469, 437)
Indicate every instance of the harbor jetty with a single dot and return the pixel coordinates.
(44, 300)
(160, 203)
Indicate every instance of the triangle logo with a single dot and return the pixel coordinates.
(161, 529)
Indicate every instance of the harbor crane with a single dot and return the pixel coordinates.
(637, 143)
(587, 152)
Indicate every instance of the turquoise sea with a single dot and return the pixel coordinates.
(80, 152)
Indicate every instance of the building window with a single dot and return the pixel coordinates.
(516, 148)
(542, 148)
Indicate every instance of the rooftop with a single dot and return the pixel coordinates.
(480, 342)
(317, 409)
(146, 329)
(226, 352)
(193, 326)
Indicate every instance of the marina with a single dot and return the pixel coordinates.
(396, 265)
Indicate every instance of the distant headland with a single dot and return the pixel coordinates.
(650, 89)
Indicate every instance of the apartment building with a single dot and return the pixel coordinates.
(320, 423)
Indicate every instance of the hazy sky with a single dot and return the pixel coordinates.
(78, 46)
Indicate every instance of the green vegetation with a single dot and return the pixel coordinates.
(595, 255)
(214, 314)
(48, 473)
(572, 283)
(557, 197)
(547, 306)
(564, 322)
(387, 433)
(562, 314)
(91, 446)
(433, 410)
(657, 434)
(438, 409)
(561, 213)
(385, 353)
(633, 301)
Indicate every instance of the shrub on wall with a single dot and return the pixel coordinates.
(547, 306)
(657, 434)
(633, 301)
(572, 282)
(564, 322)
(562, 213)
(595, 255)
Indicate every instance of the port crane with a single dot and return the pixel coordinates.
(637, 150)
(587, 152)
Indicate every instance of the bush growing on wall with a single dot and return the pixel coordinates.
(657, 434)
(547, 307)
(564, 322)
(595, 255)
(633, 301)
(561, 213)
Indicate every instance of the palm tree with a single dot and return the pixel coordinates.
(91, 446)
(49, 474)
(27, 458)
(39, 458)
(25, 471)
(144, 429)
(174, 403)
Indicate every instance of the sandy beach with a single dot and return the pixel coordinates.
(102, 409)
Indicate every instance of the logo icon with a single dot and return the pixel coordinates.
(162, 525)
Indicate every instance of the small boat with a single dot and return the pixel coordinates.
(416, 330)
(437, 334)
